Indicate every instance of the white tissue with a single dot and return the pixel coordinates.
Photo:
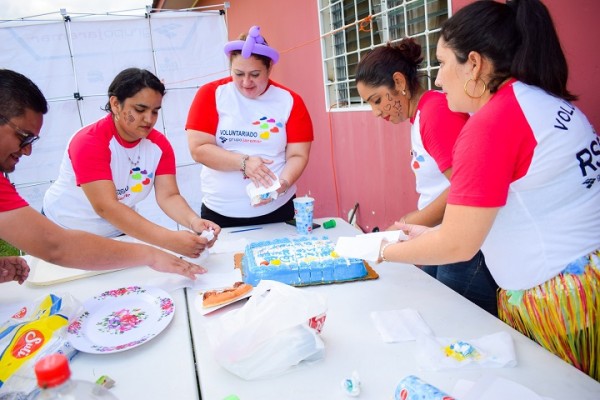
(257, 194)
(366, 246)
(400, 325)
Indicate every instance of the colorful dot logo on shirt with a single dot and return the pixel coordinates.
(267, 126)
(417, 159)
(137, 174)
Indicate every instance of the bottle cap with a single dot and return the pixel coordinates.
(52, 370)
(329, 224)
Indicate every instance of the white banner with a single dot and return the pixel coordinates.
(78, 59)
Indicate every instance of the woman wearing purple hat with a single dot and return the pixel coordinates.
(245, 129)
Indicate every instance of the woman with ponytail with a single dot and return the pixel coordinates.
(525, 184)
(387, 79)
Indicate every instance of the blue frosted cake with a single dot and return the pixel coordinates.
(298, 261)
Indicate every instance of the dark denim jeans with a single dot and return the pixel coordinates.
(471, 279)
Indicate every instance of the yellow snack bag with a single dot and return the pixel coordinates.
(33, 331)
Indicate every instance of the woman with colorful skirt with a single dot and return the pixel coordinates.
(525, 186)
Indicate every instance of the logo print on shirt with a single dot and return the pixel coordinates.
(267, 126)
(145, 178)
(416, 159)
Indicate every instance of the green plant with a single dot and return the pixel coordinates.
(8, 250)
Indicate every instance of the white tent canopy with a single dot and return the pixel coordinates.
(73, 61)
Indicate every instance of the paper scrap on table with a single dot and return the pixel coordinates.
(366, 246)
(223, 245)
(400, 325)
(493, 388)
(44, 273)
(257, 194)
(490, 351)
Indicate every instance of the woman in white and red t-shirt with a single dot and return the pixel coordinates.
(22, 109)
(113, 164)
(387, 79)
(248, 129)
(526, 179)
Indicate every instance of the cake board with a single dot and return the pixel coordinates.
(371, 274)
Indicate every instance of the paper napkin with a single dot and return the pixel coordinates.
(257, 194)
(400, 325)
(366, 246)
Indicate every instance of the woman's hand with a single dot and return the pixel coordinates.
(410, 229)
(13, 268)
(165, 262)
(200, 225)
(186, 243)
(258, 172)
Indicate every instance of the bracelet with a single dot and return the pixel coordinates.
(245, 158)
(385, 246)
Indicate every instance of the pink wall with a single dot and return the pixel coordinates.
(369, 158)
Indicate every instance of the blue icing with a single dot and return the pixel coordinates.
(302, 261)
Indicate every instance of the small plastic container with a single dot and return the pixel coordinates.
(54, 380)
(329, 224)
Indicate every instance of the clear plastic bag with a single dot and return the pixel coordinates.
(276, 331)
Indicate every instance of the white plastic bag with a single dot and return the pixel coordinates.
(274, 332)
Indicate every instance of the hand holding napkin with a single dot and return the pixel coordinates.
(366, 246)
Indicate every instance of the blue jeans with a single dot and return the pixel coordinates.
(471, 279)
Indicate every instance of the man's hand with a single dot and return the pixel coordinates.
(13, 268)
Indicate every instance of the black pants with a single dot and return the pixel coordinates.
(282, 214)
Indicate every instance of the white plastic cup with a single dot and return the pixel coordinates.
(303, 213)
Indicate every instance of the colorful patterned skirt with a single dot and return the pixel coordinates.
(562, 314)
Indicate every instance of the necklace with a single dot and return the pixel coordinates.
(137, 158)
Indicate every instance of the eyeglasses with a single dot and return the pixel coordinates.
(26, 138)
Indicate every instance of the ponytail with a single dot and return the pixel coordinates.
(539, 60)
(519, 39)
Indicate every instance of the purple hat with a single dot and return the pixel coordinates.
(254, 44)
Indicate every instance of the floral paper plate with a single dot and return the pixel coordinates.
(121, 319)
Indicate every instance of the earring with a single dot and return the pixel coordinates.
(475, 80)
(403, 92)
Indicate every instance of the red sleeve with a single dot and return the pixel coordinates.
(494, 149)
(90, 154)
(166, 164)
(440, 128)
(203, 115)
(9, 198)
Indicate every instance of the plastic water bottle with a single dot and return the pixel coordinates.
(54, 380)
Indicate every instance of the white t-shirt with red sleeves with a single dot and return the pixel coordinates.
(96, 152)
(257, 127)
(433, 133)
(9, 198)
(537, 158)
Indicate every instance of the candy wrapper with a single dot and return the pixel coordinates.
(32, 332)
(413, 387)
(491, 351)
